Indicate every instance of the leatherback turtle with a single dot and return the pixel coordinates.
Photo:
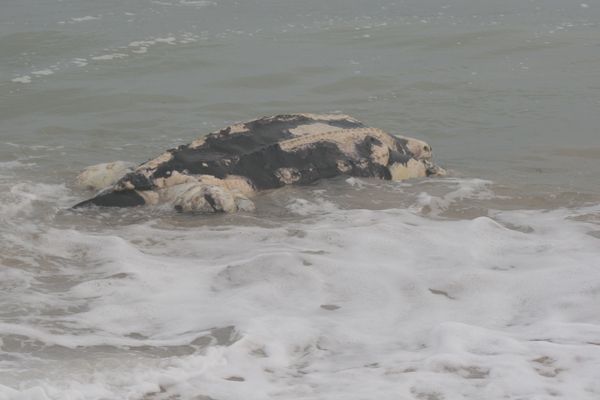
(220, 171)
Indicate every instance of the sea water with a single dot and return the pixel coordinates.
(481, 285)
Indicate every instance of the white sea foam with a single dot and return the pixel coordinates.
(166, 40)
(317, 205)
(43, 72)
(142, 46)
(85, 18)
(142, 43)
(140, 50)
(9, 165)
(22, 79)
(36, 74)
(188, 38)
(197, 3)
(134, 48)
(346, 304)
(465, 188)
(108, 57)
(80, 62)
(21, 198)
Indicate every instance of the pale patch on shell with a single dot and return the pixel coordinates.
(345, 139)
(153, 164)
(121, 186)
(103, 175)
(176, 178)
(243, 203)
(412, 169)
(170, 193)
(209, 180)
(380, 154)
(237, 128)
(190, 196)
(194, 198)
(150, 197)
(198, 142)
(311, 129)
(287, 176)
(235, 183)
(241, 184)
(315, 117)
(223, 199)
(343, 166)
(329, 117)
(242, 127)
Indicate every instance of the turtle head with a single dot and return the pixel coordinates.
(420, 150)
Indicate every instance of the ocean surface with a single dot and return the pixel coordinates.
(481, 285)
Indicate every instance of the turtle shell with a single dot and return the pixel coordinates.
(278, 150)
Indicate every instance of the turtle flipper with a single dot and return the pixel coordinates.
(125, 198)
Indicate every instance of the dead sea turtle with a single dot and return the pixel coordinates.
(220, 171)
